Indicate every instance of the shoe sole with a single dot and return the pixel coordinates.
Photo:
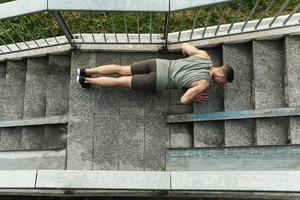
(77, 79)
(78, 72)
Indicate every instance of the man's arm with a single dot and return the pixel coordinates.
(190, 50)
(191, 93)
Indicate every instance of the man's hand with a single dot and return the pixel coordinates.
(201, 98)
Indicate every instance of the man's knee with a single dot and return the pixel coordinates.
(125, 70)
(125, 81)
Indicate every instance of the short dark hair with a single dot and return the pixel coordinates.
(228, 73)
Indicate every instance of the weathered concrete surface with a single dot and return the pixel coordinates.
(81, 117)
(11, 138)
(57, 101)
(210, 133)
(2, 88)
(31, 160)
(181, 134)
(238, 94)
(35, 101)
(268, 61)
(292, 86)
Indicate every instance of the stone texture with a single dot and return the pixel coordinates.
(2, 88)
(292, 87)
(57, 101)
(210, 133)
(238, 94)
(81, 116)
(35, 101)
(131, 138)
(157, 140)
(181, 135)
(268, 90)
(11, 138)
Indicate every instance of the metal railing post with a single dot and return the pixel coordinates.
(63, 25)
(166, 28)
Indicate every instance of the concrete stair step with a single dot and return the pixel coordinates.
(2, 88)
(81, 119)
(268, 89)
(35, 101)
(292, 86)
(57, 102)
(210, 133)
(14, 92)
(238, 94)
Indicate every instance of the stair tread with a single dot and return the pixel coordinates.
(268, 90)
(238, 94)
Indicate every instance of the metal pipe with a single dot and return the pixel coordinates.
(279, 12)
(1, 24)
(103, 30)
(93, 26)
(250, 15)
(196, 15)
(23, 26)
(18, 34)
(181, 24)
(221, 20)
(166, 27)
(236, 16)
(37, 26)
(126, 27)
(5, 44)
(289, 17)
(113, 26)
(138, 26)
(63, 25)
(150, 27)
(264, 13)
(206, 23)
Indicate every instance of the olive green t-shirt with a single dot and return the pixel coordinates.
(181, 73)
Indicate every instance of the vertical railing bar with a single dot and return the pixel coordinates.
(250, 15)
(1, 24)
(113, 26)
(166, 28)
(150, 27)
(279, 12)
(221, 20)
(264, 13)
(18, 34)
(90, 15)
(236, 16)
(138, 26)
(37, 26)
(125, 23)
(5, 44)
(207, 21)
(292, 13)
(181, 24)
(28, 32)
(196, 15)
(103, 30)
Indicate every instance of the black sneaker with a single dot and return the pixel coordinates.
(80, 80)
(81, 72)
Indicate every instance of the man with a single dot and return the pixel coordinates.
(193, 73)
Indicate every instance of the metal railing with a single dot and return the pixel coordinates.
(24, 25)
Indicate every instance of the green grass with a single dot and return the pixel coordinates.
(43, 24)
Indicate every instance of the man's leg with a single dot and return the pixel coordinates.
(109, 69)
(121, 82)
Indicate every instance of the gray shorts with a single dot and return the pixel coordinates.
(144, 75)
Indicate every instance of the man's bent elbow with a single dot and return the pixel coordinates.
(185, 101)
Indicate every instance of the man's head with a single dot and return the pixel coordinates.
(223, 75)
